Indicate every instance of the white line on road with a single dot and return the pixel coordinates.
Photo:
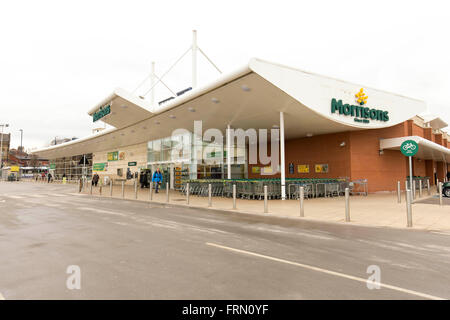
(334, 273)
(15, 197)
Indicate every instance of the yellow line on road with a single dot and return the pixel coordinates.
(334, 273)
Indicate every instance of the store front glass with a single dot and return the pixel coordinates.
(185, 157)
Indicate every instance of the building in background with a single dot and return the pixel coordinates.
(5, 147)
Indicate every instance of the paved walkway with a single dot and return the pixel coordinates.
(380, 210)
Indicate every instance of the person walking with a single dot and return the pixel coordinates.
(157, 179)
(95, 179)
(49, 177)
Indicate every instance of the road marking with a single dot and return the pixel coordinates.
(334, 273)
(15, 197)
(38, 195)
(2, 297)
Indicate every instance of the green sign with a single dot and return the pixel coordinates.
(104, 111)
(52, 166)
(361, 114)
(132, 164)
(409, 148)
(99, 166)
(113, 156)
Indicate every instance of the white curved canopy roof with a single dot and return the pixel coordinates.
(250, 97)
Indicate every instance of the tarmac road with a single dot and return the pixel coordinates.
(137, 250)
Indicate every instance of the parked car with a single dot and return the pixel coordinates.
(446, 189)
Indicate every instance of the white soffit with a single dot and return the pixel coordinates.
(428, 150)
(126, 109)
(316, 92)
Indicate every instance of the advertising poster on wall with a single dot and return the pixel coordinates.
(303, 168)
(321, 168)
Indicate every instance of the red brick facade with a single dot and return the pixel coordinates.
(356, 155)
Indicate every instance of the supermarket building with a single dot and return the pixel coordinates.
(328, 128)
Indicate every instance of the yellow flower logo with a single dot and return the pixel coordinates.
(361, 97)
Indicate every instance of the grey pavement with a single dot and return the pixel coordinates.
(139, 250)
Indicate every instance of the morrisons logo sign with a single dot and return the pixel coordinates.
(361, 114)
(104, 111)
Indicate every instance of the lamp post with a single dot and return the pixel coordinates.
(1, 143)
(21, 140)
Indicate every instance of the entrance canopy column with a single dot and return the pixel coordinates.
(282, 164)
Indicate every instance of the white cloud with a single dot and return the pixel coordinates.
(58, 59)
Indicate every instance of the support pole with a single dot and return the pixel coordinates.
(440, 193)
(414, 190)
(420, 188)
(410, 173)
(347, 205)
(209, 195)
(194, 59)
(167, 192)
(408, 208)
(234, 196)
(228, 152)
(110, 188)
(150, 191)
(91, 188)
(152, 79)
(399, 194)
(135, 189)
(283, 173)
(302, 198)
(187, 193)
(428, 187)
(123, 189)
(265, 200)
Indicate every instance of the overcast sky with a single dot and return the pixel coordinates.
(60, 58)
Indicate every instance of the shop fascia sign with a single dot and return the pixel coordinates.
(102, 112)
(359, 112)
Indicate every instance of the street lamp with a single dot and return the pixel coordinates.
(1, 143)
(21, 139)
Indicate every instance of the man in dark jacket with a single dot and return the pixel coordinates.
(95, 179)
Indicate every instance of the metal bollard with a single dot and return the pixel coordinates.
(347, 205)
(80, 186)
(414, 190)
(100, 190)
(167, 192)
(150, 191)
(408, 208)
(209, 195)
(91, 188)
(302, 198)
(123, 189)
(110, 188)
(420, 188)
(406, 188)
(440, 193)
(428, 187)
(399, 194)
(135, 189)
(437, 185)
(187, 193)
(265, 200)
(234, 196)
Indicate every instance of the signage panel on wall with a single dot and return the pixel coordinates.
(303, 168)
(113, 156)
(256, 169)
(321, 168)
(99, 166)
(132, 164)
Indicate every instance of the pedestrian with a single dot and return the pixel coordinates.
(142, 179)
(49, 177)
(95, 179)
(157, 179)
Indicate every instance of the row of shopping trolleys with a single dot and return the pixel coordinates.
(254, 188)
